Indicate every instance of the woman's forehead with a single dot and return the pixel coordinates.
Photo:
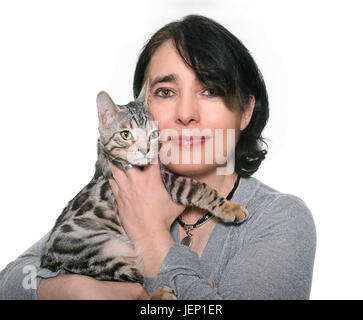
(165, 60)
(167, 66)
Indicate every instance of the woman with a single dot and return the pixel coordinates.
(198, 76)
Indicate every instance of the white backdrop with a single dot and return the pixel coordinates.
(55, 56)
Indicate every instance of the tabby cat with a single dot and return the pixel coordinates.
(88, 237)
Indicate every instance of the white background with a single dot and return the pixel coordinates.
(56, 55)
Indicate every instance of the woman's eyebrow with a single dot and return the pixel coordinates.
(166, 78)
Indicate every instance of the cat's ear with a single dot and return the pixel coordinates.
(107, 109)
(143, 95)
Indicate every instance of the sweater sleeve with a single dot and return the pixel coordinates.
(275, 260)
(20, 278)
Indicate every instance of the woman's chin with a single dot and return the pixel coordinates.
(191, 169)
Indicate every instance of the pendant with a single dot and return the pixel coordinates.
(187, 241)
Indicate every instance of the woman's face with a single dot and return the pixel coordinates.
(180, 104)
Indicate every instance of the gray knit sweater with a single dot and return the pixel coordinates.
(269, 256)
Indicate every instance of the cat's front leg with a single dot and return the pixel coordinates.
(207, 198)
(189, 192)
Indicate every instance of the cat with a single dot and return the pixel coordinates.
(87, 237)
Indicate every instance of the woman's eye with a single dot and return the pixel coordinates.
(210, 92)
(126, 135)
(163, 92)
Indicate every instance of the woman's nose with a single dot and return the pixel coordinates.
(187, 110)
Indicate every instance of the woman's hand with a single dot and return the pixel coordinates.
(79, 287)
(146, 212)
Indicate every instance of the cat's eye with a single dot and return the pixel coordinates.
(153, 134)
(126, 135)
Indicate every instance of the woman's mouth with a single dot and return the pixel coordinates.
(189, 140)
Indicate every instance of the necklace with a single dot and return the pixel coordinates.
(187, 240)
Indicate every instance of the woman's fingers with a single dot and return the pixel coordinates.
(117, 174)
(114, 186)
(153, 170)
(135, 174)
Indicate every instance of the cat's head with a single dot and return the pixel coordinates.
(127, 132)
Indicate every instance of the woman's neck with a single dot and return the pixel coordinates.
(222, 183)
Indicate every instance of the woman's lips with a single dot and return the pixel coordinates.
(189, 140)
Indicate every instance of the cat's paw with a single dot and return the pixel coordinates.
(233, 213)
(211, 283)
(163, 293)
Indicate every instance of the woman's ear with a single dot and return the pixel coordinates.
(247, 113)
